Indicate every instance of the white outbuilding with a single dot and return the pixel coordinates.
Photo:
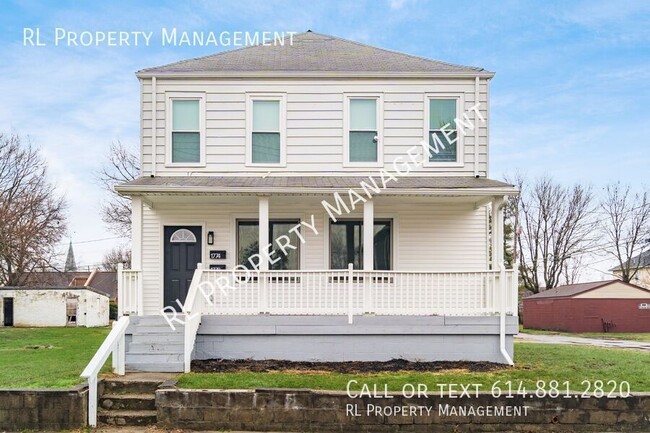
(58, 306)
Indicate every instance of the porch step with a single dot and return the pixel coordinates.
(156, 347)
(157, 329)
(163, 367)
(154, 356)
(127, 417)
(176, 338)
(132, 402)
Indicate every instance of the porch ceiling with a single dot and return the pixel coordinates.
(313, 185)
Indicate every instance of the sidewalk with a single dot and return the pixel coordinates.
(582, 341)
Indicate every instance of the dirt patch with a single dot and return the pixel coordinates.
(394, 365)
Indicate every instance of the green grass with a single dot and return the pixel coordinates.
(533, 362)
(46, 357)
(645, 337)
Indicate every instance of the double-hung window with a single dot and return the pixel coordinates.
(266, 130)
(363, 131)
(186, 140)
(442, 131)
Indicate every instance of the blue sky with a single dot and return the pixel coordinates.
(569, 98)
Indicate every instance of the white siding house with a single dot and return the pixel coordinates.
(245, 154)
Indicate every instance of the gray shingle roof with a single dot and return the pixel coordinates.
(642, 261)
(575, 289)
(312, 53)
(282, 183)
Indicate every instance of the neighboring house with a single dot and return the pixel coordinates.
(601, 306)
(238, 148)
(53, 306)
(642, 276)
(103, 281)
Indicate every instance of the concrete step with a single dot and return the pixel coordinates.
(127, 417)
(127, 385)
(131, 402)
(151, 347)
(170, 367)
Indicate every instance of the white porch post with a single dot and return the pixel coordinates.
(136, 247)
(368, 253)
(263, 232)
(368, 236)
(263, 240)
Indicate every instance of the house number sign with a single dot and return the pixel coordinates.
(217, 254)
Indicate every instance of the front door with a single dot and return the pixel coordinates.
(8, 311)
(182, 253)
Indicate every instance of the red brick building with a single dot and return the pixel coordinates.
(602, 306)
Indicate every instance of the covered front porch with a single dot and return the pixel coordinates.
(210, 256)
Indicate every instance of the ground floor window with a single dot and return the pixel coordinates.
(346, 244)
(247, 243)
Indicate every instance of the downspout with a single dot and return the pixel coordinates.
(476, 119)
(497, 259)
(154, 126)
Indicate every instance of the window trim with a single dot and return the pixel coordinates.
(177, 96)
(460, 137)
(346, 129)
(282, 98)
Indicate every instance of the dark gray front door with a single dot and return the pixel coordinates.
(8, 311)
(182, 253)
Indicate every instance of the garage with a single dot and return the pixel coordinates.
(601, 306)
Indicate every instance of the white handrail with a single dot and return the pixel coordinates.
(114, 343)
(192, 308)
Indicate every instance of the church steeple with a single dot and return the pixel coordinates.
(70, 265)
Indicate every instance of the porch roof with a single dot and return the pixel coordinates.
(408, 185)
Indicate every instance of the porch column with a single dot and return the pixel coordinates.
(136, 233)
(263, 231)
(136, 253)
(368, 235)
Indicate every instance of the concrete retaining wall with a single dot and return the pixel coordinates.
(321, 411)
(43, 409)
(369, 338)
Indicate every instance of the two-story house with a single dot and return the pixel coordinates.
(275, 215)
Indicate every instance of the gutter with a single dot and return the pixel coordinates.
(452, 192)
(310, 74)
(497, 231)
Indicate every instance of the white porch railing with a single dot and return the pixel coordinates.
(192, 309)
(129, 292)
(355, 292)
(114, 343)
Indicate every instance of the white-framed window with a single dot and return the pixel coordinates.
(266, 130)
(363, 127)
(186, 130)
(440, 130)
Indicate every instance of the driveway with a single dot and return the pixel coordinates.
(581, 341)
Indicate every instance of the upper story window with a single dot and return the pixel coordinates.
(186, 137)
(442, 133)
(363, 134)
(265, 134)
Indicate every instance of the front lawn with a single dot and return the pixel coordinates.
(533, 362)
(645, 337)
(47, 357)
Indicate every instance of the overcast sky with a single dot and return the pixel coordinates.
(568, 100)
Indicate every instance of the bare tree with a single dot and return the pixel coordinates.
(626, 227)
(555, 227)
(32, 215)
(122, 165)
(115, 256)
